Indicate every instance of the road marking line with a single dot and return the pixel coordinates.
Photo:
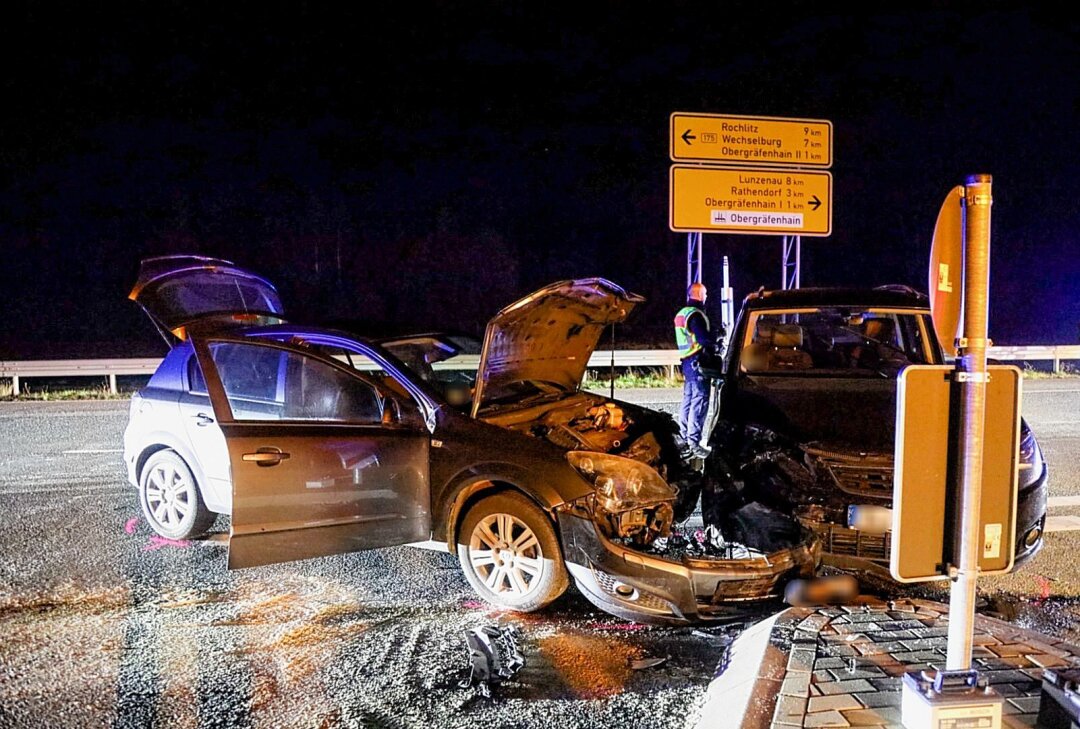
(1063, 501)
(1062, 523)
(91, 488)
(92, 450)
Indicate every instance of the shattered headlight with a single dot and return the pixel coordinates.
(621, 483)
(632, 500)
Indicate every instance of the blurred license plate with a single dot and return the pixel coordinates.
(869, 518)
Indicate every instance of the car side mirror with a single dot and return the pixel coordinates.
(391, 411)
(397, 413)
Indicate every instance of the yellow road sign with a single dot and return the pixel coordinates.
(947, 270)
(751, 140)
(925, 481)
(747, 200)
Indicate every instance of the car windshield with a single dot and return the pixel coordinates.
(839, 340)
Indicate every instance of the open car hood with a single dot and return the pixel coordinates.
(180, 293)
(549, 336)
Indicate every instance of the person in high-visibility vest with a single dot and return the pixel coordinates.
(692, 335)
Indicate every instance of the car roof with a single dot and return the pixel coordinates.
(297, 330)
(882, 296)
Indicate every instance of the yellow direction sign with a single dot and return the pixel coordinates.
(751, 140)
(747, 200)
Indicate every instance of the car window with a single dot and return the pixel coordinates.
(267, 383)
(850, 342)
(362, 363)
(195, 380)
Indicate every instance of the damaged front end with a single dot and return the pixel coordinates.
(638, 547)
(677, 578)
(845, 496)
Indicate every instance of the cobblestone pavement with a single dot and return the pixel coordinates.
(842, 666)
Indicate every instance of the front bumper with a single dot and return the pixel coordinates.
(1031, 518)
(649, 589)
(850, 549)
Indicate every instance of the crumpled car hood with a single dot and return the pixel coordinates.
(550, 335)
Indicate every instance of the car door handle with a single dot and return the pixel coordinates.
(266, 456)
(202, 419)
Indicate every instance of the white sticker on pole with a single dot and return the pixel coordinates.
(992, 541)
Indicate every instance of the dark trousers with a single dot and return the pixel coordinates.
(695, 401)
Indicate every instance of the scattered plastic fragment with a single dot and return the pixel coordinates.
(494, 656)
(129, 526)
(647, 663)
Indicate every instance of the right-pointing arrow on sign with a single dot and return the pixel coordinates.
(814, 202)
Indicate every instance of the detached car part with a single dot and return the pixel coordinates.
(494, 657)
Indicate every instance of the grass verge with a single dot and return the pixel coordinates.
(47, 394)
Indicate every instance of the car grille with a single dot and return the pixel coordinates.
(746, 589)
(859, 474)
(840, 540)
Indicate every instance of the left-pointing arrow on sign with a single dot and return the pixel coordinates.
(687, 136)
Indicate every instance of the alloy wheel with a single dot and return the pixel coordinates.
(506, 555)
(169, 495)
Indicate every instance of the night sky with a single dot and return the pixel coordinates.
(421, 167)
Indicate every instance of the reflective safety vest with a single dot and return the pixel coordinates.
(684, 337)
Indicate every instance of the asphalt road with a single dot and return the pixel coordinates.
(102, 624)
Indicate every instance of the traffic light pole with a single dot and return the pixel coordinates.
(971, 374)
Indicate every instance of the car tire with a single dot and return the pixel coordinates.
(509, 553)
(170, 498)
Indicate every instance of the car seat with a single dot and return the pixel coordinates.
(755, 356)
(787, 352)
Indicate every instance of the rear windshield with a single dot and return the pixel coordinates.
(185, 298)
(855, 342)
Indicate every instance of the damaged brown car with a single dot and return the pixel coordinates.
(318, 442)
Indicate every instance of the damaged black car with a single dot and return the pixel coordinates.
(807, 416)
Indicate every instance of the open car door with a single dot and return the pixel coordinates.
(324, 459)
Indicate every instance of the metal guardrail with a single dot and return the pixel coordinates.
(17, 370)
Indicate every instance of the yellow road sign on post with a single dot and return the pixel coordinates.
(747, 200)
(947, 270)
(924, 489)
(751, 140)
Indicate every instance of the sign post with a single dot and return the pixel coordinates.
(971, 373)
(974, 541)
(749, 174)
